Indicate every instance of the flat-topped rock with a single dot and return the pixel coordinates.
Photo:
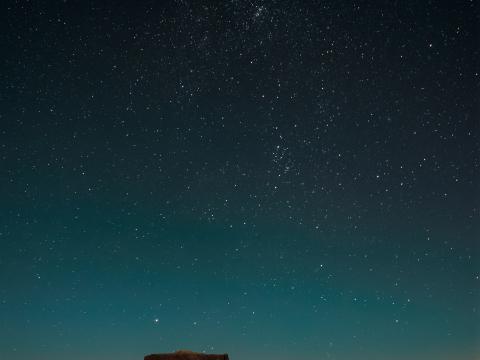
(186, 355)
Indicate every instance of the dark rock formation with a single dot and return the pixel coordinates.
(186, 355)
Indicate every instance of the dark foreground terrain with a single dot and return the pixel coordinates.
(186, 355)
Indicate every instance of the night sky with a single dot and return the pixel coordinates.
(271, 179)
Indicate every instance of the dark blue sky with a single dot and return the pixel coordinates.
(274, 180)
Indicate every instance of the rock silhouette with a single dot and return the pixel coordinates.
(186, 355)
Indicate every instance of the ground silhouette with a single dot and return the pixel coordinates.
(186, 355)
